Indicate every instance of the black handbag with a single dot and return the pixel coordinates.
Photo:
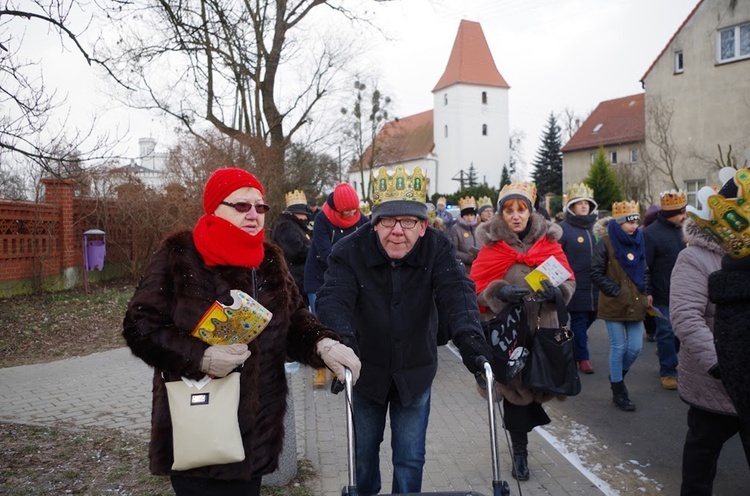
(508, 335)
(552, 366)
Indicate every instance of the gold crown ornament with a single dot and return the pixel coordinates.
(295, 197)
(442, 201)
(626, 209)
(578, 192)
(484, 201)
(468, 202)
(524, 189)
(364, 207)
(673, 200)
(727, 220)
(398, 186)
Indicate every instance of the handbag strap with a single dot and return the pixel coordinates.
(562, 312)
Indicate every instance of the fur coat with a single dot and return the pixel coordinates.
(176, 290)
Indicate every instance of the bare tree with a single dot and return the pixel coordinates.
(661, 156)
(635, 182)
(569, 123)
(516, 154)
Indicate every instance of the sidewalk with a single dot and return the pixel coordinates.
(113, 389)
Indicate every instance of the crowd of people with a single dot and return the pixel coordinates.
(376, 292)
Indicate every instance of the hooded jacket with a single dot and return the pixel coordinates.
(294, 237)
(578, 243)
(663, 244)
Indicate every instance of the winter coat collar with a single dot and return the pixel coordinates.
(496, 229)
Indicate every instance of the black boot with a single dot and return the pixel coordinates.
(620, 397)
(520, 470)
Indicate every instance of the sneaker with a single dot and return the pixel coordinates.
(584, 366)
(650, 337)
(669, 382)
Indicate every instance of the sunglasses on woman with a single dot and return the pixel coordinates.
(245, 207)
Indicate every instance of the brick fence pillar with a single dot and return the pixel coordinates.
(59, 192)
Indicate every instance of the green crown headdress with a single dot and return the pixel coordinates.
(398, 186)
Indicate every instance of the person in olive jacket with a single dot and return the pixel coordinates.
(619, 270)
(383, 289)
(188, 273)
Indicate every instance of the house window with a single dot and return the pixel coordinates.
(484, 129)
(692, 187)
(613, 157)
(734, 43)
(593, 158)
(484, 97)
(633, 155)
(679, 66)
(446, 131)
(445, 99)
(597, 128)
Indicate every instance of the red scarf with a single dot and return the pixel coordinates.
(338, 220)
(222, 243)
(493, 262)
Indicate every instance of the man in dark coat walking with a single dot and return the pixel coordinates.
(293, 235)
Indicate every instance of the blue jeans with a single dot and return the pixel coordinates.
(579, 324)
(408, 433)
(625, 342)
(311, 297)
(667, 345)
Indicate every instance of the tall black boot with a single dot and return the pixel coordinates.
(620, 397)
(520, 470)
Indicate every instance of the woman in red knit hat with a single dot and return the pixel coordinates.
(190, 271)
(340, 217)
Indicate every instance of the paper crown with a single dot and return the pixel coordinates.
(295, 197)
(484, 201)
(399, 186)
(726, 219)
(468, 202)
(578, 192)
(525, 189)
(442, 200)
(673, 200)
(625, 208)
(364, 207)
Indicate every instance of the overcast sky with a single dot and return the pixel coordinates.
(554, 54)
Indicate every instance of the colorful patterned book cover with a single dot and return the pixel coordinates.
(238, 323)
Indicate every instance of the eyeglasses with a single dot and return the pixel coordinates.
(244, 207)
(405, 223)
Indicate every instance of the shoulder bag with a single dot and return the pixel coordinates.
(508, 335)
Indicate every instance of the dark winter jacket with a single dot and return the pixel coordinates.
(294, 238)
(692, 316)
(464, 238)
(663, 244)
(578, 243)
(387, 309)
(491, 232)
(728, 288)
(325, 235)
(619, 297)
(173, 295)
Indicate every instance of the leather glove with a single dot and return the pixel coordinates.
(472, 347)
(337, 356)
(512, 294)
(547, 293)
(219, 360)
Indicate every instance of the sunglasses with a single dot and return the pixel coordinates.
(244, 207)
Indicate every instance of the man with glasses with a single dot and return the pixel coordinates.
(385, 288)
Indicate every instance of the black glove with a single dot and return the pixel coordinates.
(472, 347)
(715, 371)
(547, 293)
(512, 294)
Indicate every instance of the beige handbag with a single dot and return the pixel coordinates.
(205, 427)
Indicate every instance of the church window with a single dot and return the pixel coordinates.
(446, 131)
(445, 99)
(484, 97)
(484, 129)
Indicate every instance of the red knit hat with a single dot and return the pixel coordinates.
(225, 181)
(345, 198)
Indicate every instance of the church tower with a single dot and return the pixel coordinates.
(470, 123)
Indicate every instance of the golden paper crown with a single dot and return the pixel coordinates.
(673, 200)
(727, 220)
(364, 207)
(238, 323)
(484, 201)
(625, 208)
(442, 200)
(399, 186)
(578, 192)
(468, 202)
(525, 189)
(295, 197)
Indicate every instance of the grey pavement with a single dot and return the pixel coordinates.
(113, 389)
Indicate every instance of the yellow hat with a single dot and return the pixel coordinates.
(399, 193)
(673, 200)
(524, 190)
(626, 211)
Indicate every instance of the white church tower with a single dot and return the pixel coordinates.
(470, 122)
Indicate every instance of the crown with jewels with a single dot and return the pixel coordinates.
(484, 201)
(578, 192)
(727, 220)
(468, 202)
(238, 323)
(625, 208)
(525, 189)
(295, 197)
(398, 186)
(673, 200)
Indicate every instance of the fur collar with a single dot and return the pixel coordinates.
(601, 227)
(694, 235)
(497, 229)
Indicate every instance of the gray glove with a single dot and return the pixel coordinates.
(337, 356)
(219, 360)
(512, 294)
(547, 293)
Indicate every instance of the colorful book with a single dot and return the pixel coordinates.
(238, 323)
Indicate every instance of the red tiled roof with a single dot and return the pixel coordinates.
(402, 140)
(613, 122)
(471, 61)
(670, 40)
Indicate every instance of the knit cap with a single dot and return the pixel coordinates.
(345, 198)
(224, 182)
